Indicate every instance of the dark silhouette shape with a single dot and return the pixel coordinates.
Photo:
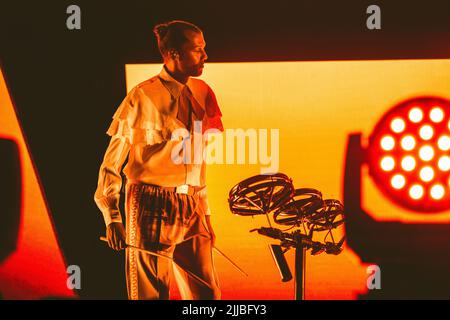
(414, 258)
(10, 197)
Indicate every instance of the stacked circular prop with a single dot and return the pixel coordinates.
(303, 210)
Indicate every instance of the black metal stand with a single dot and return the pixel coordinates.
(300, 271)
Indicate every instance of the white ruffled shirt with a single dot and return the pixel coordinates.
(142, 129)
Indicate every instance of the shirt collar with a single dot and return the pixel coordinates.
(175, 87)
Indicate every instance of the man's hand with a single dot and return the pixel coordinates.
(115, 233)
(211, 230)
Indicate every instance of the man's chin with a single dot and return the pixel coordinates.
(197, 72)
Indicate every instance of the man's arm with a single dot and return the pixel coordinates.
(211, 230)
(214, 122)
(107, 194)
(203, 198)
(204, 204)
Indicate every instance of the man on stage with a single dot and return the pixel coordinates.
(166, 203)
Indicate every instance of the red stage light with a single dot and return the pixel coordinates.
(408, 143)
(426, 153)
(398, 125)
(408, 163)
(437, 114)
(444, 163)
(426, 174)
(387, 163)
(408, 154)
(398, 181)
(426, 132)
(437, 191)
(387, 143)
(415, 115)
(416, 191)
(444, 143)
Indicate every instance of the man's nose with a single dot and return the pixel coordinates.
(205, 56)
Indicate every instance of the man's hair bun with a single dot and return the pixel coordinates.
(170, 35)
(160, 30)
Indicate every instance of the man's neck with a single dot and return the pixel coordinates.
(176, 75)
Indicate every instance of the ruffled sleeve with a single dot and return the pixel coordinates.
(213, 118)
(139, 122)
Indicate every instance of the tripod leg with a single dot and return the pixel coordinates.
(300, 271)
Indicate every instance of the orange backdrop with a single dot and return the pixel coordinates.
(315, 105)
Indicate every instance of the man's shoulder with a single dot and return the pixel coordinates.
(149, 94)
(148, 85)
(151, 88)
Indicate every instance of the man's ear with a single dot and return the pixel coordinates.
(174, 54)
